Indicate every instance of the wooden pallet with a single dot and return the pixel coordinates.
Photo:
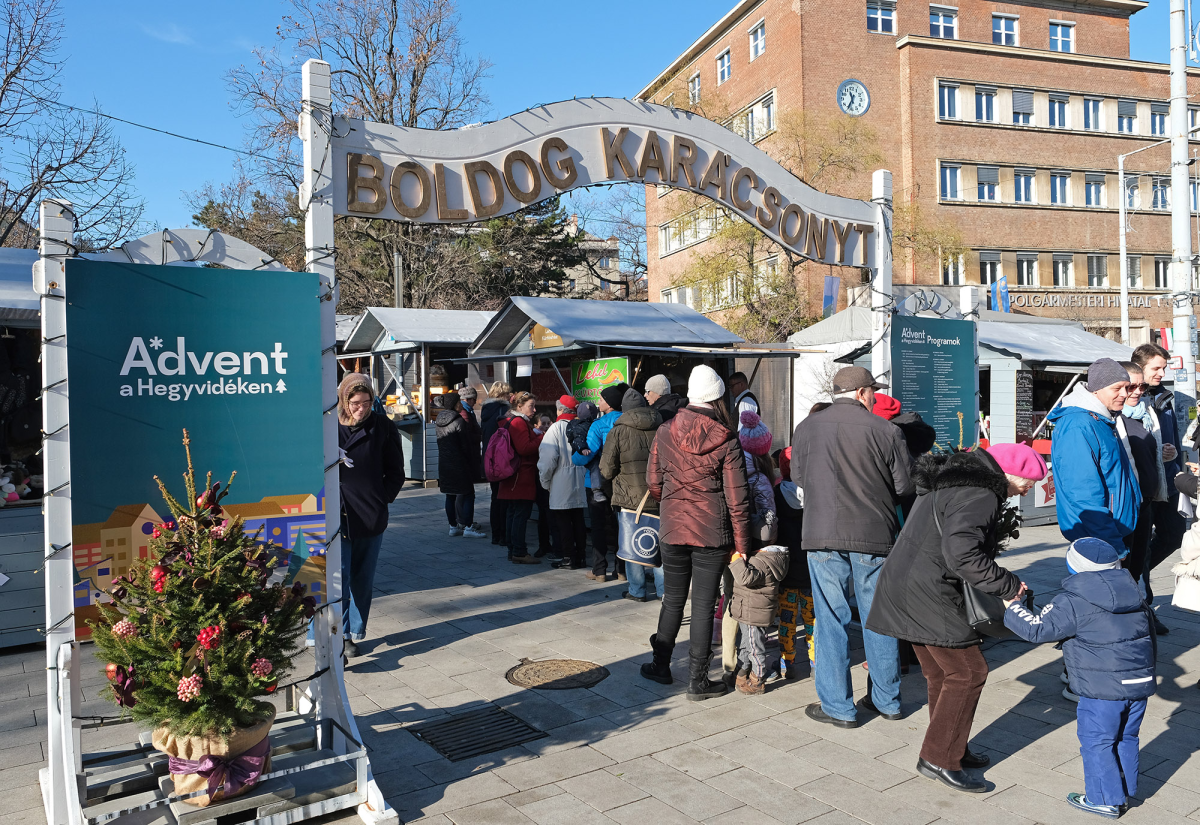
(123, 780)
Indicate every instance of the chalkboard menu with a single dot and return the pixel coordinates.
(1024, 410)
(934, 374)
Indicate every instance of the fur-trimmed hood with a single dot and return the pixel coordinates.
(968, 469)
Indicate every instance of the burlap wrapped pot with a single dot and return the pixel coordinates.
(222, 749)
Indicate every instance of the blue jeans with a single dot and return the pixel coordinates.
(1108, 742)
(359, 558)
(831, 572)
(637, 579)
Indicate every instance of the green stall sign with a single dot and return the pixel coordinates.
(588, 378)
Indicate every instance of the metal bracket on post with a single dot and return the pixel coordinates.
(58, 778)
(881, 274)
(328, 693)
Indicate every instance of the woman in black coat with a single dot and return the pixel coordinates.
(371, 474)
(458, 464)
(950, 538)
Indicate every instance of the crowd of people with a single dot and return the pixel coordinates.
(779, 551)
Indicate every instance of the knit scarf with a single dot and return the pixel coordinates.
(1141, 413)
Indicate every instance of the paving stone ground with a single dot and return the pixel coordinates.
(451, 616)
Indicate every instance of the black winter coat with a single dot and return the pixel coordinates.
(854, 469)
(458, 453)
(669, 404)
(489, 416)
(376, 477)
(918, 596)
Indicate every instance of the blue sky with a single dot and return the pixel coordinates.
(163, 64)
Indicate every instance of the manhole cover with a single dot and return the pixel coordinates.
(475, 733)
(556, 674)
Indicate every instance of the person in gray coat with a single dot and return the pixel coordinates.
(755, 602)
(565, 483)
(854, 469)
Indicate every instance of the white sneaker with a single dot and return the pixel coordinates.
(1069, 696)
(1062, 677)
(456, 531)
(472, 533)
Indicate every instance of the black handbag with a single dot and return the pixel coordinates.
(985, 612)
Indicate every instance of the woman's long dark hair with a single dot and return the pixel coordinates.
(724, 418)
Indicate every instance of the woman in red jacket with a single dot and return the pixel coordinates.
(520, 491)
(698, 474)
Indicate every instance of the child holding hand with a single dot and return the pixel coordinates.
(755, 596)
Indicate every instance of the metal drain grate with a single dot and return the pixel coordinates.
(475, 733)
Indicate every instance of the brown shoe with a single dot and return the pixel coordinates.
(751, 685)
(526, 559)
(596, 577)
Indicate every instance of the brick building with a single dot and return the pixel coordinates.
(1004, 119)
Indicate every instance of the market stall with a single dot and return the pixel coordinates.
(552, 346)
(408, 354)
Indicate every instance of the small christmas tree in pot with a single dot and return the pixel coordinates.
(195, 635)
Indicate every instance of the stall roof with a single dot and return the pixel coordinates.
(345, 325)
(389, 329)
(602, 322)
(18, 301)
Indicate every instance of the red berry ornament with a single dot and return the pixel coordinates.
(209, 637)
(189, 688)
(157, 572)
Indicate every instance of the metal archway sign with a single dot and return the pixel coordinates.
(373, 170)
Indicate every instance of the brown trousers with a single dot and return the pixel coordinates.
(955, 677)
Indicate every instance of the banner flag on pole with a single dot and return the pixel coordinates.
(833, 285)
(1003, 285)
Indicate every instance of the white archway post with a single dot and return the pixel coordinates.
(328, 692)
(63, 755)
(881, 274)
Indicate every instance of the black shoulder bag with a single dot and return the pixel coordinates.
(985, 612)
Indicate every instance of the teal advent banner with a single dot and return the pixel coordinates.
(233, 356)
(934, 373)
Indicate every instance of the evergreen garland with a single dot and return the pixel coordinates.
(194, 634)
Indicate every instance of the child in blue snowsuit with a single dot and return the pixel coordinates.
(1109, 651)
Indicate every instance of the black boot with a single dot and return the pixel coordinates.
(659, 670)
(700, 687)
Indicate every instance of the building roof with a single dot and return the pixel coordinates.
(128, 514)
(388, 329)
(602, 322)
(298, 498)
(18, 301)
(254, 509)
(85, 534)
(1027, 337)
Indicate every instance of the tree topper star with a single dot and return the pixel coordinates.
(156, 342)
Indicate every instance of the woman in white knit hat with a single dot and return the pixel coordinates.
(698, 474)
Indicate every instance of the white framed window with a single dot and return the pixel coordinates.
(1091, 114)
(943, 21)
(767, 107)
(694, 88)
(1133, 271)
(988, 182)
(1195, 187)
(1162, 273)
(1193, 120)
(1097, 270)
(952, 272)
(724, 67)
(1058, 188)
(947, 101)
(1127, 116)
(1004, 30)
(1062, 36)
(1058, 111)
(1161, 194)
(881, 16)
(1093, 190)
(758, 39)
(1027, 267)
(1158, 118)
(1062, 270)
(1023, 186)
(985, 104)
(1022, 107)
(1133, 197)
(668, 297)
(950, 188)
(989, 267)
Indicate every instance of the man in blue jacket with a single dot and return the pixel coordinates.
(604, 521)
(1110, 650)
(1096, 493)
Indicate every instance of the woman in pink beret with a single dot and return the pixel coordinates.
(950, 539)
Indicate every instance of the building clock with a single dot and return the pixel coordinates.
(853, 98)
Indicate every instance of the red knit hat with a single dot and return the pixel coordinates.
(785, 463)
(568, 401)
(886, 407)
(1019, 460)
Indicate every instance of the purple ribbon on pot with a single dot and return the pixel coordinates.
(239, 771)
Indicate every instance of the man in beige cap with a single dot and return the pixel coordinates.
(853, 468)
